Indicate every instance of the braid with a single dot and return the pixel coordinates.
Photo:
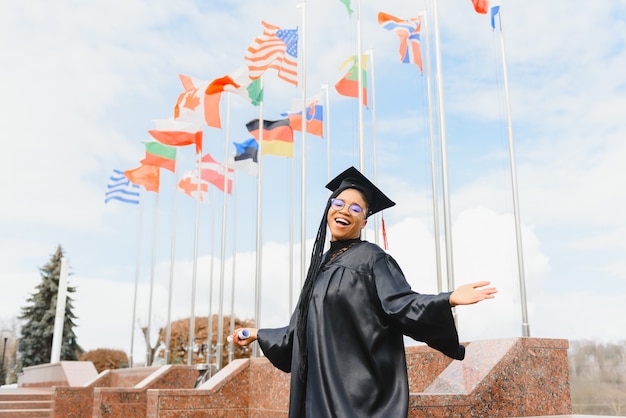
(307, 290)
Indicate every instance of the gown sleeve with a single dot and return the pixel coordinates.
(277, 345)
(426, 318)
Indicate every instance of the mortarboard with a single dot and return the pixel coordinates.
(353, 179)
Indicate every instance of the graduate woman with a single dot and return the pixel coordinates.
(344, 344)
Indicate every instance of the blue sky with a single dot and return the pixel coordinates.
(82, 83)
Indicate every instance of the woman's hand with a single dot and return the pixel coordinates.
(472, 293)
(244, 342)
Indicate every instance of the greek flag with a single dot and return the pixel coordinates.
(120, 188)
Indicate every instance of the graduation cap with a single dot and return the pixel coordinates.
(353, 179)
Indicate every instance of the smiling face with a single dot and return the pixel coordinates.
(343, 224)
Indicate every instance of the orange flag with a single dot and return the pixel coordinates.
(146, 176)
(481, 6)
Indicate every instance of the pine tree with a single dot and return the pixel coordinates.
(35, 344)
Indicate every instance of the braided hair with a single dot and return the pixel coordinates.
(307, 288)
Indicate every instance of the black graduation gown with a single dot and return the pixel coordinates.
(360, 309)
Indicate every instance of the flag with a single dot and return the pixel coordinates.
(190, 104)
(120, 188)
(385, 242)
(276, 48)
(177, 133)
(246, 157)
(200, 102)
(349, 84)
(314, 117)
(238, 82)
(213, 98)
(213, 172)
(255, 92)
(147, 176)
(188, 183)
(244, 86)
(273, 130)
(480, 6)
(409, 33)
(277, 136)
(247, 150)
(160, 155)
(494, 10)
(347, 4)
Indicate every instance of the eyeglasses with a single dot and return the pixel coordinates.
(338, 204)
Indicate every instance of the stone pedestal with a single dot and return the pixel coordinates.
(514, 377)
(517, 377)
(63, 373)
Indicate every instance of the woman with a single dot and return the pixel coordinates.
(344, 344)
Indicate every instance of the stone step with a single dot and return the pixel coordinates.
(26, 413)
(25, 404)
(25, 396)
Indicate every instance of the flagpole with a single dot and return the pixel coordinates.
(194, 274)
(291, 240)
(442, 133)
(168, 331)
(444, 159)
(327, 125)
(370, 54)
(220, 314)
(360, 92)
(303, 163)
(259, 240)
(209, 349)
(518, 227)
(152, 264)
(231, 346)
(137, 263)
(433, 162)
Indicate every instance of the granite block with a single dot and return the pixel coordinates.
(500, 378)
(132, 402)
(423, 365)
(63, 373)
(513, 377)
(72, 402)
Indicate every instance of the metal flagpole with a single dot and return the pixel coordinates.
(370, 54)
(194, 274)
(444, 160)
(137, 263)
(259, 238)
(518, 228)
(231, 346)
(360, 84)
(433, 162)
(209, 343)
(168, 330)
(327, 128)
(291, 222)
(152, 264)
(444, 153)
(303, 162)
(220, 311)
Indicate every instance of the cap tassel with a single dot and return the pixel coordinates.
(385, 243)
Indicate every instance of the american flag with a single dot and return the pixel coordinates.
(276, 48)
